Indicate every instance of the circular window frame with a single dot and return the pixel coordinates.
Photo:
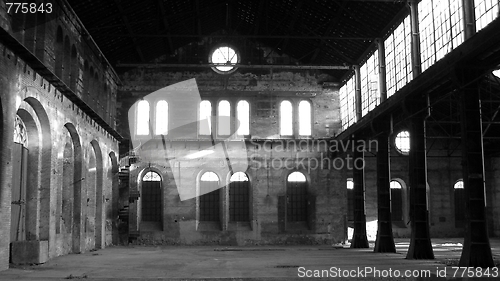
(217, 47)
(405, 153)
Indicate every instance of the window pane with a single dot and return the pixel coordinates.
(243, 112)
(143, 118)
(209, 176)
(304, 118)
(224, 124)
(286, 118)
(161, 118)
(239, 176)
(403, 142)
(205, 115)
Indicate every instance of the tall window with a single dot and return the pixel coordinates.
(209, 197)
(161, 118)
(205, 118)
(243, 113)
(350, 200)
(296, 193)
(143, 118)
(224, 124)
(151, 197)
(239, 194)
(396, 201)
(286, 118)
(304, 118)
(459, 193)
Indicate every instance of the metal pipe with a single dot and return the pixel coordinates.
(206, 65)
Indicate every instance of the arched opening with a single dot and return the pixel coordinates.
(350, 200)
(239, 197)
(205, 119)
(161, 118)
(459, 196)
(86, 77)
(243, 115)
(209, 201)
(40, 36)
(305, 117)
(66, 195)
(59, 51)
(74, 69)
(66, 71)
(151, 200)
(296, 197)
(223, 118)
(99, 196)
(76, 227)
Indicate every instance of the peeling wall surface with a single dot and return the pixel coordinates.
(57, 175)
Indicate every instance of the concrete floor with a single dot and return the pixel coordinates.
(242, 263)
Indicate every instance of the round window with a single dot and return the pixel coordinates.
(402, 142)
(224, 55)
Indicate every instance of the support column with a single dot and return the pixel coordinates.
(416, 60)
(359, 239)
(385, 240)
(476, 251)
(469, 18)
(420, 243)
(382, 82)
(357, 93)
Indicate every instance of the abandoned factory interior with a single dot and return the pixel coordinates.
(249, 124)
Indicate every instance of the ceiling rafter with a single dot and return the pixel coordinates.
(166, 25)
(129, 29)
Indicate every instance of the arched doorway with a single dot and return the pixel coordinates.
(210, 197)
(151, 200)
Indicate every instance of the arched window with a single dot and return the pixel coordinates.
(209, 197)
(396, 201)
(20, 132)
(296, 192)
(402, 142)
(151, 197)
(224, 124)
(243, 113)
(286, 118)
(143, 118)
(350, 200)
(304, 118)
(239, 197)
(205, 118)
(459, 193)
(161, 118)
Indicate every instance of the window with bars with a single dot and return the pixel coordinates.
(161, 118)
(142, 118)
(370, 96)
(398, 57)
(286, 118)
(459, 194)
(205, 126)
(441, 29)
(347, 103)
(296, 193)
(239, 197)
(396, 201)
(210, 197)
(486, 11)
(243, 115)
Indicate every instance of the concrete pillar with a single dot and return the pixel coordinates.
(385, 240)
(476, 250)
(420, 243)
(416, 60)
(359, 239)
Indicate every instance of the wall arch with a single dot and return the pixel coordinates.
(99, 197)
(77, 189)
(112, 175)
